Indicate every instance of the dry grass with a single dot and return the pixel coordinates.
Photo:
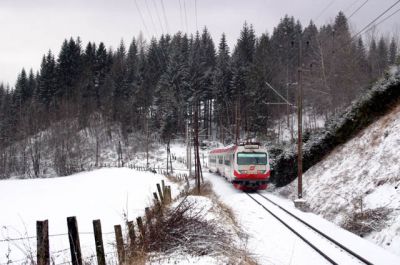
(364, 222)
(205, 190)
(184, 229)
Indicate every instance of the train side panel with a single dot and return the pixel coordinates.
(246, 166)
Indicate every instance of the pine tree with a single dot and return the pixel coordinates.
(89, 91)
(261, 73)
(342, 66)
(222, 87)
(173, 86)
(383, 56)
(102, 69)
(69, 69)
(7, 117)
(120, 92)
(132, 66)
(243, 58)
(22, 90)
(392, 52)
(373, 59)
(47, 84)
(32, 84)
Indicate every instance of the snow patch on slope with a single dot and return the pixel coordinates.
(360, 176)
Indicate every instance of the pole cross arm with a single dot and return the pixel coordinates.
(282, 97)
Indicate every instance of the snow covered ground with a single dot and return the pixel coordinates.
(113, 195)
(272, 243)
(361, 177)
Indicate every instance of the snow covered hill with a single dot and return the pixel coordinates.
(357, 185)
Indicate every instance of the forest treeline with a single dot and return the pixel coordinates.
(156, 86)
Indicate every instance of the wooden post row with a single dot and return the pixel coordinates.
(163, 187)
(74, 243)
(160, 194)
(98, 238)
(120, 244)
(42, 236)
(132, 237)
(142, 230)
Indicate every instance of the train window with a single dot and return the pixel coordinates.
(252, 159)
(220, 160)
(227, 162)
(213, 160)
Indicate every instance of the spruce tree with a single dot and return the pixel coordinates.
(47, 84)
(392, 52)
(69, 69)
(222, 88)
(373, 59)
(22, 90)
(383, 56)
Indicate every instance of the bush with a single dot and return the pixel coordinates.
(363, 223)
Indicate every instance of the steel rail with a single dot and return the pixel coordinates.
(295, 232)
(335, 242)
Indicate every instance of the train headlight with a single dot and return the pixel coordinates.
(261, 171)
(243, 171)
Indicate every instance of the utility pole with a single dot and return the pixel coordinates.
(188, 149)
(237, 114)
(196, 150)
(147, 141)
(300, 126)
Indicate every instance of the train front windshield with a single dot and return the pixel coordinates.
(252, 159)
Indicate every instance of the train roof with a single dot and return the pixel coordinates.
(224, 149)
(232, 148)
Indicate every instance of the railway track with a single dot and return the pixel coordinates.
(308, 241)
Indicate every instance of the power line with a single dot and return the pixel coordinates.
(186, 22)
(180, 14)
(195, 10)
(158, 16)
(142, 18)
(386, 18)
(165, 15)
(355, 11)
(324, 9)
(350, 6)
(157, 52)
(151, 18)
(370, 25)
(373, 21)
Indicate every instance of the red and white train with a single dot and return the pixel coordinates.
(245, 165)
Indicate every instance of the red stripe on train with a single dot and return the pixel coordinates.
(251, 176)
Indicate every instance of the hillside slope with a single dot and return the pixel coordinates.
(357, 185)
(373, 104)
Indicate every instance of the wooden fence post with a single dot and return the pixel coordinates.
(163, 187)
(120, 244)
(160, 194)
(74, 243)
(169, 194)
(132, 237)
(156, 197)
(141, 228)
(42, 237)
(98, 239)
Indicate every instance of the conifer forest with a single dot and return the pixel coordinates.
(153, 87)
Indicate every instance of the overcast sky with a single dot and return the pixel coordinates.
(29, 28)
